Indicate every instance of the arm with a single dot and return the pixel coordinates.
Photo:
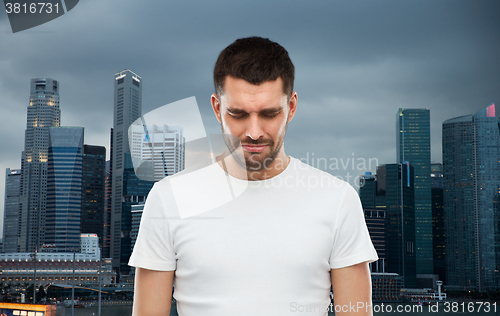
(352, 290)
(152, 292)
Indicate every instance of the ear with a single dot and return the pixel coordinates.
(292, 106)
(214, 100)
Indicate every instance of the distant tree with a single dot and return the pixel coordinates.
(40, 294)
(29, 293)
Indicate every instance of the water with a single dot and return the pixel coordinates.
(105, 311)
(379, 310)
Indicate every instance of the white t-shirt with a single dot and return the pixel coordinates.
(252, 247)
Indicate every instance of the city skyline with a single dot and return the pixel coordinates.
(471, 147)
(356, 64)
(413, 146)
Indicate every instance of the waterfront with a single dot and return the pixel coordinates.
(380, 309)
(124, 310)
(105, 311)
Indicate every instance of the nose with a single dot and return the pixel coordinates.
(254, 128)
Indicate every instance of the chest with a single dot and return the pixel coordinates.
(235, 239)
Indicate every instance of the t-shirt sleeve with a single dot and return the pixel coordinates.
(351, 240)
(154, 247)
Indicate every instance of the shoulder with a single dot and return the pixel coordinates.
(195, 190)
(201, 171)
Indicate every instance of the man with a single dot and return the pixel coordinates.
(288, 233)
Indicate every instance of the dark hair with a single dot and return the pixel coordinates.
(256, 60)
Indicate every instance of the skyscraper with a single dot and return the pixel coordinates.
(375, 215)
(161, 146)
(43, 113)
(136, 223)
(471, 151)
(64, 188)
(93, 181)
(108, 191)
(414, 146)
(127, 189)
(11, 210)
(368, 191)
(391, 194)
(376, 223)
(134, 192)
(438, 220)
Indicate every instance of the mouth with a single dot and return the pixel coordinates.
(254, 148)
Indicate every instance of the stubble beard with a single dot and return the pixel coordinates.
(254, 161)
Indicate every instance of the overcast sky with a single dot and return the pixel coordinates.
(356, 63)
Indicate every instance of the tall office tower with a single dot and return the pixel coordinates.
(11, 209)
(376, 224)
(372, 191)
(471, 151)
(391, 194)
(43, 113)
(106, 242)
(127, 189)
(400, 242)
(64, 188)
(375, 215)
(161, 145)
(414, 145)
(93, 182)
(127, 108)
(136, 223)
(438, 220)
(368, 190)
(135, 191)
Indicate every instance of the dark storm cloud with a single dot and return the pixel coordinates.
(356, 63)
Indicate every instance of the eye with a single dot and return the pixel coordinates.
(237, 117)
(271, 116)
(242, 116)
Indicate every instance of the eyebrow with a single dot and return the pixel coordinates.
(266, 111)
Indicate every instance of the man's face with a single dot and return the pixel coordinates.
(257, 116)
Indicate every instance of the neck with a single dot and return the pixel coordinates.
(227, 162)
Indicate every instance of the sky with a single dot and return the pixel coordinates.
(356, 62)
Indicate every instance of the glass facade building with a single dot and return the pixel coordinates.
(127, 108)
(376, 224)
(375, 216)
(108, 193)
(126, 188)
(64, 188)
(136, 223)
(11, 210)
(43, 113)
(162, 147)
(400, 237)
(368, 191)
(390, 195)
(135, 191)
(471, 152)
(413, 139)
(93, 181)
(438, 231)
